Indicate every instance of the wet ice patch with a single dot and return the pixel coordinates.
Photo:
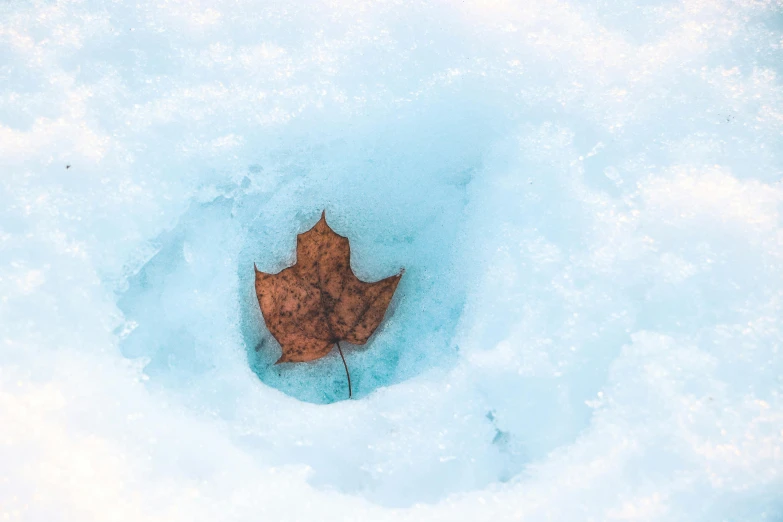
(200, 280)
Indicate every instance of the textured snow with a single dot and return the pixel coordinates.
(585, 197)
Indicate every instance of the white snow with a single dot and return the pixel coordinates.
(585, 196)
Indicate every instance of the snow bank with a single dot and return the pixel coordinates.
(585, 197)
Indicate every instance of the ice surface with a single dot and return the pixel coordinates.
(585, 197)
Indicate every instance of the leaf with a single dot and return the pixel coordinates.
(318, 302)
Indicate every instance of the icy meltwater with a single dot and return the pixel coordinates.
(585, 198)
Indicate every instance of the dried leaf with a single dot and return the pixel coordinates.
(318, 302)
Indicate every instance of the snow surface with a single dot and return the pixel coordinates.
(585, 197)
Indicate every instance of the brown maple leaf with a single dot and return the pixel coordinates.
(316, 303)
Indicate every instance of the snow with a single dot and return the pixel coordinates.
(584, 195)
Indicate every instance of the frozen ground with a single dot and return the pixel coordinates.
(585, 196)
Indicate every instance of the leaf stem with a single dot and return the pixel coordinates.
(346, 369)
